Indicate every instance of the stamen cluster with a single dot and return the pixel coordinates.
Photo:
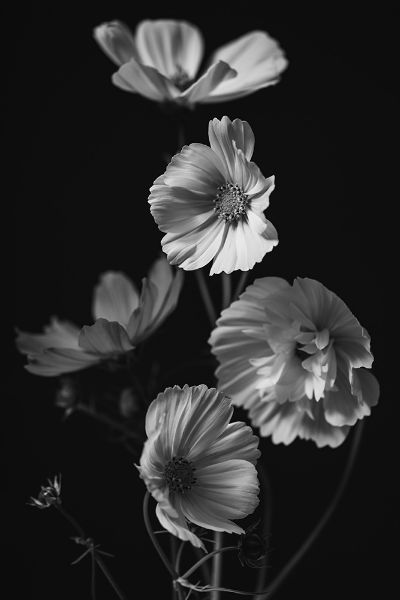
(178, 474)
(231, 202)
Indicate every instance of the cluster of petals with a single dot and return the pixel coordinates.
(123, 319)
(210, 202)
(297, 359)
(162, 59)
(199, 467)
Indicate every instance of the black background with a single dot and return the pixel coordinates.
(83, 156)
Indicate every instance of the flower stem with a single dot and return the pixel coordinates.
(240, 285)
(226, 290)
(267, 518)
(217, 566)
(279, 579)
(200, 562)
(205, 294)
(95, 555)
(153, 538)
(108, 576)
(107, 421)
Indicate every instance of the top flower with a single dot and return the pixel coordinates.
(162, 59)
(122, 320)
(297, 358)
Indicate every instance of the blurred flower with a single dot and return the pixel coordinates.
(296, 358)
(197, 465)
(128, 403)
(161, 61)
(123, 319)
(210, 202)
(48, 495)
(67, 396)
(252, 548)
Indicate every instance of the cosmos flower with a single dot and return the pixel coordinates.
(123, 319)
(197, 465)
(210, 202)
(296, 358)
(161, 61)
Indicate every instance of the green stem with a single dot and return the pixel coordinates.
(217, 566)
(153, 538)
(226, 290)
(200, 562)
(205, 295)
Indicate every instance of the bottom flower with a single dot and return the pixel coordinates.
(198, 466)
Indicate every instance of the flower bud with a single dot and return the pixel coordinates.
(252, 548)
(48, 495)
(116, 40)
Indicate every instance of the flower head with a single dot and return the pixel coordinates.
(197, 465)
(161, 61)
(210, 202)
(49, 495)
(296, 358)
(123, 319)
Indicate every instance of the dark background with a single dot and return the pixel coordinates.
(83, 156)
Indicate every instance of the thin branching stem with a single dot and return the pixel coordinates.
(226, 290)
(206, 557)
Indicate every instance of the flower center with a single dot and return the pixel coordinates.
(181, 79)
(178, 474)
(231, 202)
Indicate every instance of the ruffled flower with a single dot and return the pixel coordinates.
(162, 59)
(198, 466)
(123, 319)
(296, 358)
(210, 202)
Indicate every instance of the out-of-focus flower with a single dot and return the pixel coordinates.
(49, 494)
(252, 548)
(161, 61)
(296, 358)
(197, 465)
(128, 403)
(123, 319)
(210, 202)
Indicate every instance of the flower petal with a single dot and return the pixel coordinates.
(178, 527)
(104, 337)
(236, 442)
(196, 248)
(58, 334)
(116, 41)
(258, 60)
(196, 168)
(201, 89)
(56, 361)
(346, 405)
(115, 298)
(285, 422)
(226, 137)
(223, 491)
(170, 46)
(147, 81)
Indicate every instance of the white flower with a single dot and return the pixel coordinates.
(197, 465)
(161, 61)
(123, 319)
(210, 202)
(296, 358)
